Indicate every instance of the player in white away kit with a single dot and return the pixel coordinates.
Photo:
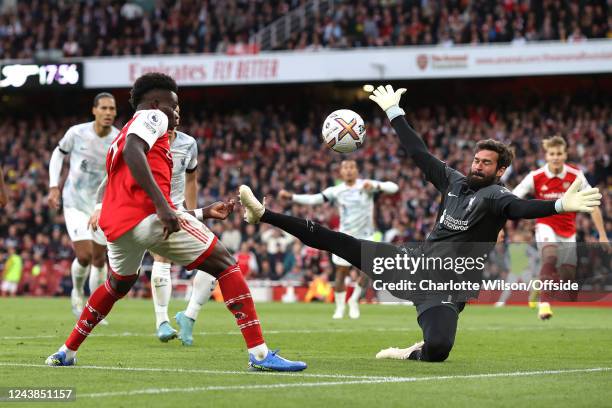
(550, 183)
(138, 216)
(354, 198)
(87, 145)
(183, 193)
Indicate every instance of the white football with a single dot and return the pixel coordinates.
(343, 131)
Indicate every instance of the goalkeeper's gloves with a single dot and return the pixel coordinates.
(578, 201)
(388, 100)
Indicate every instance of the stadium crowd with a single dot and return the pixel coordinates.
(120, 27)
(271, 149)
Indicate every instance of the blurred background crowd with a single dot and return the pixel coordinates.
(274, 147)
(140, 27)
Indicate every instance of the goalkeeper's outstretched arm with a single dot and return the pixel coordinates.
(514, 208)
(435, 170)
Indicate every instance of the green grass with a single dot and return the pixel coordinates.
(508, 340)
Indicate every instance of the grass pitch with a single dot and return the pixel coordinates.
(502, 357)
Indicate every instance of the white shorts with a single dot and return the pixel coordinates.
(336, 260)
(566, 248)
(78, 230)
(188, 247)
(10, 287)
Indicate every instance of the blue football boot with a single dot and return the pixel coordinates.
(185, 328)
(274, 362)
(165, 332)
(59, 359)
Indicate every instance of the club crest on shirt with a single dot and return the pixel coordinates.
(566, 185)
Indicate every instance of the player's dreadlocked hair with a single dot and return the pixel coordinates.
(150, 81)
(504, 153)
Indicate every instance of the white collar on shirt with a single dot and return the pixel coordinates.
(550, 174)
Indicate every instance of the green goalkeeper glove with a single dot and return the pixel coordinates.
(578, 201)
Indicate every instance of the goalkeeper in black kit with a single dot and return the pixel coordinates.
(473, 210)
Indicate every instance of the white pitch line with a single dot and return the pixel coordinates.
(203, 371)
(316, 331)
(332, 383)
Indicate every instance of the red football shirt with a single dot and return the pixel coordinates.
(125, 203)
(545, 185)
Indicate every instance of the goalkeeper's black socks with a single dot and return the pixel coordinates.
(316, 236)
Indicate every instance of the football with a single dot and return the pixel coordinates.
(343, 131)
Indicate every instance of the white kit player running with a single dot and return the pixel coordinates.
(354, 198)
(550, 183)
(87, 145)
(183, 192)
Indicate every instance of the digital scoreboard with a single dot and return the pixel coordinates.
(41, 76)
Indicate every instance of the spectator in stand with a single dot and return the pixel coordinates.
(13, 269)
(247, 261)
(231, 236)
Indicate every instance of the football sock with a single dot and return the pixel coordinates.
(238, 301)
(70, 354)
(78, 273)
(99, 304)
(203, 286)
(340, 298)
(356, 294)
(161, 289)
(97, 276)
(260, 352)
(317, 236)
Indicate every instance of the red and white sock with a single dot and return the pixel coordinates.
(99, 304)
(239, 302)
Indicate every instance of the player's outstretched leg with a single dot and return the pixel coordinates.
(196, 247)
(203, 286)
(161, 290)
(310, 233)
(238, 300)
(98, 306)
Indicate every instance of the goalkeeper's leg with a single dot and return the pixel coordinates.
(309, 232)
(439, 325)
(317, 236)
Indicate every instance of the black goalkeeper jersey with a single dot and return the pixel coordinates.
(466, 215)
